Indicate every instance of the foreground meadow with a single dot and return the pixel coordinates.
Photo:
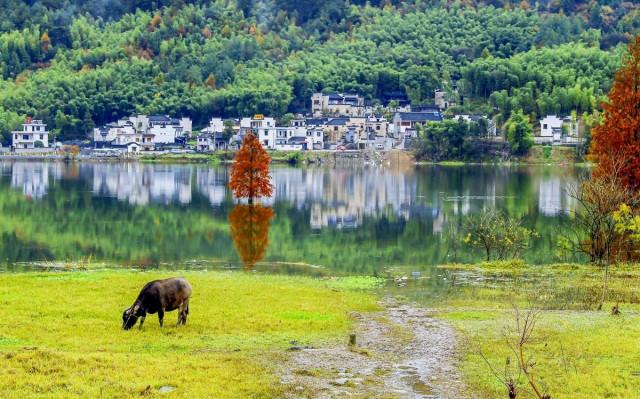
(61, 337)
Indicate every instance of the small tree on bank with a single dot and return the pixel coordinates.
(499, 235)
(250, 172)
(601, 219)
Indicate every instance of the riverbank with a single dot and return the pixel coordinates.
(60, 333)
(538, 155)
(555, 155)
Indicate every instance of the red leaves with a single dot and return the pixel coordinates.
(618, 136)
(250, 172)
(250, 232)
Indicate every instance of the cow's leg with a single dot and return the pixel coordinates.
(141, 322)
(183, 312)
(180, 314)
(161, 317)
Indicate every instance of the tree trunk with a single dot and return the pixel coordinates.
(604, 286)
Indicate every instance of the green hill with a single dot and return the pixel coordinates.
(77, 64)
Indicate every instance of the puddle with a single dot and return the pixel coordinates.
(411, 378)
(166, 389)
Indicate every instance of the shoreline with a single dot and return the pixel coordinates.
(298, 158)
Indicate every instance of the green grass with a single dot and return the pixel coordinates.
(60, 334)
(580, 352)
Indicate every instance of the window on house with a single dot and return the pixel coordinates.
(335, 128)
(544, 126)
(42, 137)
(25, 137)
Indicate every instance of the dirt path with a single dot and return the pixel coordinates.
(401, 352)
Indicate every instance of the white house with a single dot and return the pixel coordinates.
(263, 127)
(110, 132)
(33, 131)
(405, 123)
(207, 142)
(146, 131)
(554, 129)
(216, 125)
(337, 104)
(166, 129)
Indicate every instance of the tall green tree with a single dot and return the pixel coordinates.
(519, 133)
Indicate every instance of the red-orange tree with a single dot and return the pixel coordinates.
(250, 172)
(250, 232)
(618, 136)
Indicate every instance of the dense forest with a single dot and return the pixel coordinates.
(77, 64)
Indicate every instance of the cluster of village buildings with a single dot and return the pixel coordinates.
(337, 122)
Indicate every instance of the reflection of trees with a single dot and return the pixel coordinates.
(250, 232)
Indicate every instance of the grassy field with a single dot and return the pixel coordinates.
(579, 352)
(61, 337)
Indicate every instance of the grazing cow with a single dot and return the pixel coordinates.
(159, 296)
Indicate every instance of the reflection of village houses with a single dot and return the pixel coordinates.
(553, 197)
(212, 183)
(33, 178)
(343, 199)
(333, 198)
(143, 184)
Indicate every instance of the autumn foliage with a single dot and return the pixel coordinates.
(618, 136)
(250, 172)
(250, 232)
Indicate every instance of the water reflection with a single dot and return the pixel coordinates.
(139, 184)
(250, 232)
(357, 220)
(33, 178)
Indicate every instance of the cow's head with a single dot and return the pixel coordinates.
(130, 317)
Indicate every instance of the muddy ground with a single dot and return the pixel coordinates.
(400, 352)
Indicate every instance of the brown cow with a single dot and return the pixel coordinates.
(159, 296)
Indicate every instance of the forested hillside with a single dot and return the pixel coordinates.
(78, 63)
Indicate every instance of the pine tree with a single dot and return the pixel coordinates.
(618, 136)
(250, 172)
(45, 42)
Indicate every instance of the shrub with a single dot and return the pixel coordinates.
(498, 235)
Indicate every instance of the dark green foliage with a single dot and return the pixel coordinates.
(546, 81)
(452, 140)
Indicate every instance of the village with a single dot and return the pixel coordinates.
(337, 122)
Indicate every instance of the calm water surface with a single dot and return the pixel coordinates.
(325, 220)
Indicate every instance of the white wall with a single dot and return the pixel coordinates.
(548, 124)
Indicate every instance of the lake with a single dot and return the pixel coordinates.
(321, 220)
